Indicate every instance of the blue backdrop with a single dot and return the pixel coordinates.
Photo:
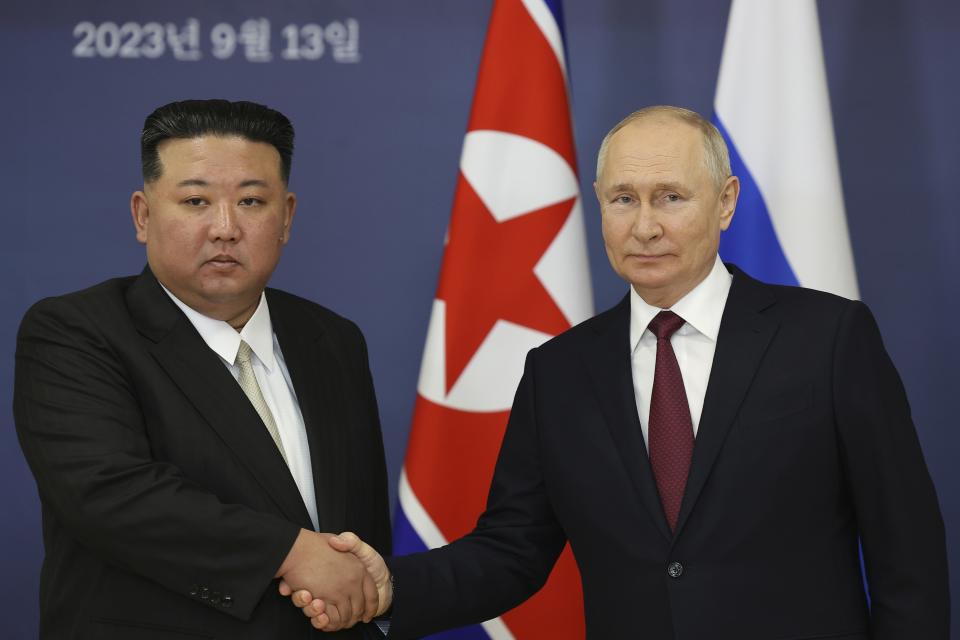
(379, 93)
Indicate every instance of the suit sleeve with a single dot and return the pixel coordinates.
(901, 528)
(375, 462)
(84, 437)
(505, 559)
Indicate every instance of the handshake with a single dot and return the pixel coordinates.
(337, 581)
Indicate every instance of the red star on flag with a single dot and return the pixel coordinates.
(488, 274)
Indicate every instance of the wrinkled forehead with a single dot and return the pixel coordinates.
(653, 146)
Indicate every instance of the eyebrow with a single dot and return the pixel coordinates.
(193, 182)
(624, 186)
(197, 182)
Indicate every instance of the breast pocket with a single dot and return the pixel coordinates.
(778, 405)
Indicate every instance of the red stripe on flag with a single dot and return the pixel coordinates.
(556, 611)
(487, 275)
(521, 88)
(450, 463)
(449, 466)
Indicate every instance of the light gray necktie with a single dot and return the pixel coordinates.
(248, 382)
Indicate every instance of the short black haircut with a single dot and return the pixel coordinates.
(195, 118)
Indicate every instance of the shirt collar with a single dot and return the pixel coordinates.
(701, 308)
(225, 340)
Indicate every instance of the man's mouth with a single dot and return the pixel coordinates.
(222, 260)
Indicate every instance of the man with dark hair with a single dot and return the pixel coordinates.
(196, 118)
(715, 449)
(191, 430)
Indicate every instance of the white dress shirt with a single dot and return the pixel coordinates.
(694, 343)
(271, 372)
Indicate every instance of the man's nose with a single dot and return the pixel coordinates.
(224, 226)
(646, 224)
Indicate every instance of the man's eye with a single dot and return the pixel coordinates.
(195, 202)
(623, 199)
(250, 202)
(672, 197)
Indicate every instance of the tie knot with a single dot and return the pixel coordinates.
(243, 353)
(665, 324)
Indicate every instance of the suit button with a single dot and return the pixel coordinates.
(215, 597)
(227, 601)
(204, 593)
(194, 590)
(674, 569)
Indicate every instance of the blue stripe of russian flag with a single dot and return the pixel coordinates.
(751, 242)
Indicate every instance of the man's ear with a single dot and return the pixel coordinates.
(728, 201)
(290, 208)
(140, 212)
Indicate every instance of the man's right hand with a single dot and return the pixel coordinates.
(323, 615)
(317, 566)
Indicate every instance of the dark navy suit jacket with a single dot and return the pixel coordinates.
(805, 445)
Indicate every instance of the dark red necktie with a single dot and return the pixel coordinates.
(670, 434)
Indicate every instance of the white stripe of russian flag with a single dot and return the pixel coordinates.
(772, 100)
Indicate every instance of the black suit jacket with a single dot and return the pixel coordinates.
(166, 507)
(805, 444)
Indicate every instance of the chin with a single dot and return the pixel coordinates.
(646, 278)
(221, 291)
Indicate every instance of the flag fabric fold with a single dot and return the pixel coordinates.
(514, 273)
(773, 108)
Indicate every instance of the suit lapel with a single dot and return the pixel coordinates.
(315, 371)
(207, 384)
(744, 337)
(608, 361)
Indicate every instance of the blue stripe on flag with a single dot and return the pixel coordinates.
(750, 242)
(406, 541)
(405, 538)
(556, 8)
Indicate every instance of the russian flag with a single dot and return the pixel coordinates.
(514, 273)
(773, 108)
